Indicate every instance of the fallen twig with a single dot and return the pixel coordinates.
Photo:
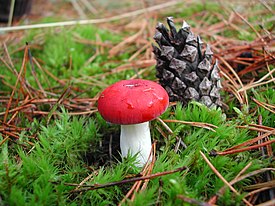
(99, 186)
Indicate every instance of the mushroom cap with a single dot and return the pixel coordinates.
(132, 101)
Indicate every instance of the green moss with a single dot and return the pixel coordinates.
(39, 171)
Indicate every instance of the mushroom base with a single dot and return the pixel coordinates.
(135, 139)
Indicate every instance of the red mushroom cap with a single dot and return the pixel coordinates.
(132, 101)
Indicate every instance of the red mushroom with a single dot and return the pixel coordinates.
(132, 104)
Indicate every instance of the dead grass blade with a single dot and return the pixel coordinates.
(147, 170)
(29, 101)
(93, 21)
(59, 101)
(240, 178)
(256, 127)
(221, 191)
(268, 107)
(92, 42)
(168, 129)
(121, 46)
(258, 64)
(241, 96)
(268, 203)
(223, 179)
(16, 84)
(250, 25)
(208, 126)
(254, 192)
(270, 184)
(246, 148)
(260, 82)
(34, 73)
(193, 201)
(242, 148)
(128, 66)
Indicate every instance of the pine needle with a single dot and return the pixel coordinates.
(223, 179)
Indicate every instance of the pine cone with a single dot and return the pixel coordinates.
(183, 70)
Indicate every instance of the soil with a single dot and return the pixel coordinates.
(105, 152)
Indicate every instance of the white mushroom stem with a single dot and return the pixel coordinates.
(136, 139)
